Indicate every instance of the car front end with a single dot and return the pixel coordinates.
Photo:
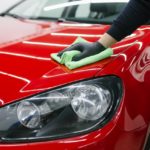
(44, 105)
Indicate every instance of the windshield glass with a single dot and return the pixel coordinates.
(89, 11)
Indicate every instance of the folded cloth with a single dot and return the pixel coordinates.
(67, 56)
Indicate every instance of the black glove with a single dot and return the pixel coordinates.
(86, 48)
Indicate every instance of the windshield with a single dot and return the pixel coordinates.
(89, 11)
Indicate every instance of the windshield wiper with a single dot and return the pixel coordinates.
(14, 16)
(49, 19)
(11, 15)
(2, 14)
(66, 20)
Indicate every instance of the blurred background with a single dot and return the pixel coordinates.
(5, 4)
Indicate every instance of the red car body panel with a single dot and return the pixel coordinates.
(26, 69)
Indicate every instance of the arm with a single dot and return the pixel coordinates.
(136, 13)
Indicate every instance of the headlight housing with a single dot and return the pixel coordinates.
(66, 111)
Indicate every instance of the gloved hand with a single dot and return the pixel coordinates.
(86, 48)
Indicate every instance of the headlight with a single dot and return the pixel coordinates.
(63, 112)
(28, 114)
(91, 102)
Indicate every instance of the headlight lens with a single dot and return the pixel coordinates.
(28, 114)
(90, 102)
(68, 111)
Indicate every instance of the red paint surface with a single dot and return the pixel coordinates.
(26, 69)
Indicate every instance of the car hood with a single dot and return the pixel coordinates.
(25, 47)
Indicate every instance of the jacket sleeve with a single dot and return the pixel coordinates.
(135, 14)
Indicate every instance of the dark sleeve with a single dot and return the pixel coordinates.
(135, 14)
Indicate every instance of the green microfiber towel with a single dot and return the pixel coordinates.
(67, 56)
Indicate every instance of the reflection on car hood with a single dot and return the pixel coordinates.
(25, 47)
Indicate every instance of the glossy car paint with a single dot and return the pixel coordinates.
(26, 69)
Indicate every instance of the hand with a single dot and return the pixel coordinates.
(86, 48)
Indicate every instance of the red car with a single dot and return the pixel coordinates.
(102, 106)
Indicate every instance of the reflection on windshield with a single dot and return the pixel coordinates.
(87, 11)
(82, 2)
